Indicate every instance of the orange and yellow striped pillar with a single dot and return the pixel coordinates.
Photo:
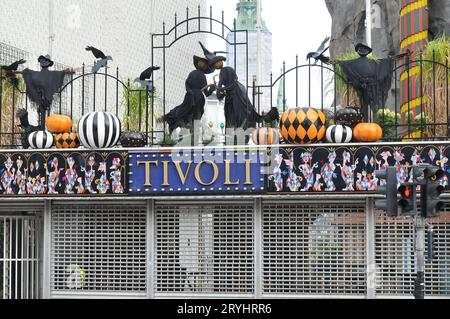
(414, 22)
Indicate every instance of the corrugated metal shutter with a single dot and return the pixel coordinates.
(204, 249)
(99, 249)
(314, 249)
(395, 257)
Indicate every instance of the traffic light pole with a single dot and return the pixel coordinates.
(428, 178)
(419, 283)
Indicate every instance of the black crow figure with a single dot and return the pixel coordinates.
(145, 79)
(318, 54)
(102, 59)
(239, 111)
(14, 66)
(193, 105)
(210, 62)
(10, 72)
(26, 127)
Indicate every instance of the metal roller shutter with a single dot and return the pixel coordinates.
(99, 249)
(395, 257)
(314, 249)
(204, 249)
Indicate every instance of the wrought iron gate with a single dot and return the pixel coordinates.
(20, 260)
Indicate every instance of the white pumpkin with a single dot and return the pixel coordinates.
(339, 134)
(99, 130)
(40, 140)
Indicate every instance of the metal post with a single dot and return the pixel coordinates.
(150, 248)
(51, 32)
(369, 22)
(419, 282)
(258, 248)
(370, 249)
(46, 256)
(258, 42)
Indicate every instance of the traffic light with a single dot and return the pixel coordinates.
(407, 202)
(431, 192)
(389, 190)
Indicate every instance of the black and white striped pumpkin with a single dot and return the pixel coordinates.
(339, 134)
(99, 130)
(40, 140)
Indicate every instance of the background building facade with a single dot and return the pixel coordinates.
(246, 20)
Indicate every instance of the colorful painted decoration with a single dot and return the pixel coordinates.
(40, 140)
(63, 173)
(67, 140)
(303, 126)
(133, 139)
(99, 130)
(339, 134)
(58, 123)
(367, 132)
(349, 116)
(266, 136)
(347, 168)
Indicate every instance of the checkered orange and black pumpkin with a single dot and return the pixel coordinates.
(266, 136)
(67, 140)
(303, 126)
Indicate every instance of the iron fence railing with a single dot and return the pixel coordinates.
(139, 109)
(415, 108)
(423, 118)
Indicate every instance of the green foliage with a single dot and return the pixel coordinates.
(435, 79)
(11, 101)
(390, 120)
(135, 113)
(437, 50)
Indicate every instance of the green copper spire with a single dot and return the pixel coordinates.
(246, 19)
(280, 97)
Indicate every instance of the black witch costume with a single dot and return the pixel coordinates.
(42, 85)
(239, 111)
(371, 79)
(193, 105)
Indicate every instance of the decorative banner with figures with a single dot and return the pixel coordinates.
(300, 169)
(63, 173)
(349, 168)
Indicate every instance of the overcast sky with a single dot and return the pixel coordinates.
(297, 26)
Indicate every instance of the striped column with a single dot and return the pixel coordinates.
(414, 36)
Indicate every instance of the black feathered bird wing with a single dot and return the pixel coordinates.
(147, 74)
(14, 66)
(96, 52)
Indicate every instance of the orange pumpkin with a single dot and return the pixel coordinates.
(58, 123)
(266, 136)
(367, 132)
(303, 126)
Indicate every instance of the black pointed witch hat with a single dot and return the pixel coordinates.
(363, 50)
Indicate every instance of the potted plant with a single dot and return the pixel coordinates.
(389, 121)
(12, 98)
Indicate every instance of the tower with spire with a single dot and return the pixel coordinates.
(281, 101)
(247, 20)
